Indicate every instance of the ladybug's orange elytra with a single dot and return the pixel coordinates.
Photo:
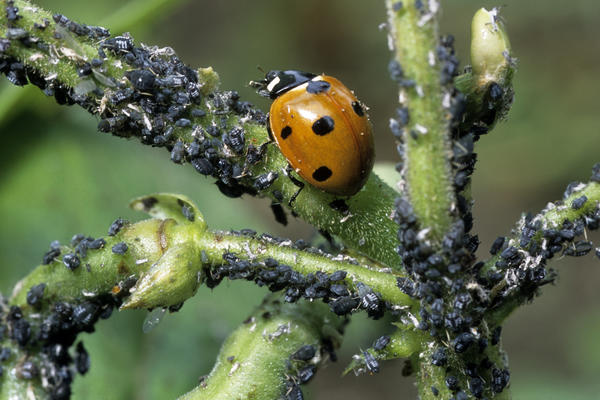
(322, 129)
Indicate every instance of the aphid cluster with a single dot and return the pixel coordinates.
(331, 288)
(520, 263)
(77, 250)
(302, 368)
(54, 334)
(19, 74)
(54, 326)
(167, 96)
(454, 290)
(92, 32)
(163, 97)
(160, 100)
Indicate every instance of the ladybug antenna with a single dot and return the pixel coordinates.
(260, 84)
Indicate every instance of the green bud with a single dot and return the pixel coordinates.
(490, 47)
(488, 86)
(174, 278)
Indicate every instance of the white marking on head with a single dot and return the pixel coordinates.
(273, 83)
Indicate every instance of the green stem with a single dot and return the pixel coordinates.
(432, 376)
(171, 257)
(268, 338)
(414, 34)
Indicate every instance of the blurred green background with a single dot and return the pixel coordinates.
(59, 176)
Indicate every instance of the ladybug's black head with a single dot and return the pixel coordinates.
(272, 75)
(261, 85)
(279, 82)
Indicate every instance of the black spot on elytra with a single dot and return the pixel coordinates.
(358, 108)
(323, 125)
(285, 132)
(321, 174)
(315, 87)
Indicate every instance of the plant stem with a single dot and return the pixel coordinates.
(268, 338)
(550, 218)
(180, 251)
(431, 376)
(414, 34)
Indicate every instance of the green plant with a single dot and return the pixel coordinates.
(165, 259)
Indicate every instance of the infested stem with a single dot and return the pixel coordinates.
(414, 34)
(436, 126)
(168, 252)
(553, 217)
(432, 380)
(379, 280)
(129, 17)
(270, 337)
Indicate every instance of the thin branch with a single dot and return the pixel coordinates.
(405, 342)
(518, 263)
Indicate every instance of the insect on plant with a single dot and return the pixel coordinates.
(406, 255)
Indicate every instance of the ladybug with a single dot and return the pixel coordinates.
(322, 129)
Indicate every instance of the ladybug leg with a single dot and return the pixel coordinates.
(301, 186)
(340, 205)
(295, 181)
